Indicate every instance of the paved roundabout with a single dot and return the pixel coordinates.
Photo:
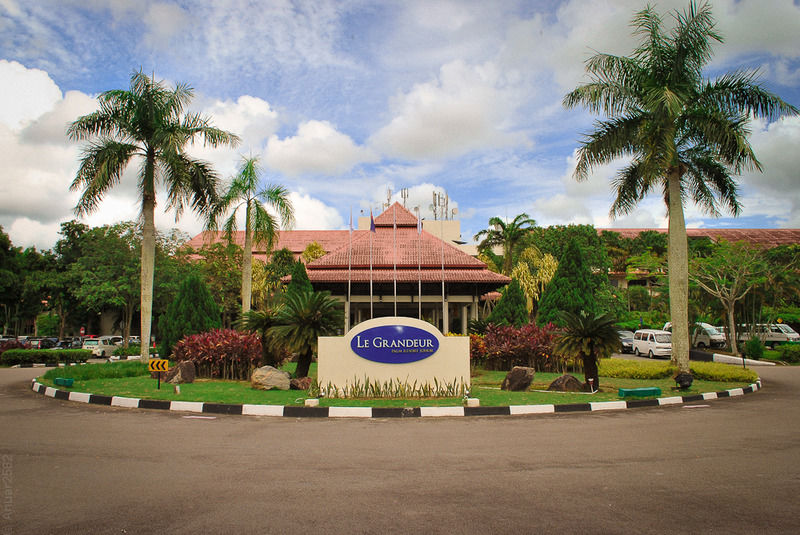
(723, 466)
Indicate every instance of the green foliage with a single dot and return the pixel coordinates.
(299, 282)
(789, 353)
(132, 349)
(639, 297)
(570, 290)
(221, 353)
(47, 324)
(621, 368)
(221, 267)
(716, 371)
(12, 357)
(312, 251)
(512, 308)
(508, 235)
(754, 349)
(110, 370)
(193, 311)
(588, 337)
(303, 318)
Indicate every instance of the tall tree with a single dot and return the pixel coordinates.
(193, 311)
(686, 135)
(506, 234)
(147, 123)
(732, 270)
(260, 226)
(511, 309)
(571, 288)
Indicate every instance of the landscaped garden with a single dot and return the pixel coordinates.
(131, 379)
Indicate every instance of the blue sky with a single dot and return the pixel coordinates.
(344, 100)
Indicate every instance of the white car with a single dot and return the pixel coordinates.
(770, 335)
(100, 347)
(706, 335)
(652, 342)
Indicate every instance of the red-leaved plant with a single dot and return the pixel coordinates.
(529, 345)
(221, 353)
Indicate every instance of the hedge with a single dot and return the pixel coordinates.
(45, 356)
(707, 371)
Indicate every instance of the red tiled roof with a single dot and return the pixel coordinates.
(767, 237)
(294, 240)
(404, 218)
(407, 275)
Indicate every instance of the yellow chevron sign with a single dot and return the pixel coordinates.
(158, 365)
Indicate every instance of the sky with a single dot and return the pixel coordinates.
(344, 100)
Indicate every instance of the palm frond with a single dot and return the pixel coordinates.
(102, 165)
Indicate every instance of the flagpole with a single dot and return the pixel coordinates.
(394, 255)
(371, 231)
(349, 268)
(419, 261)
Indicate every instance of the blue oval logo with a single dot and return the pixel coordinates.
(394, 344)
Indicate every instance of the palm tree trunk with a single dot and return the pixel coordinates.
(731, 329)
(303, 364)
(148, 256)
(590, 371)
(247, 264)
(678, 265)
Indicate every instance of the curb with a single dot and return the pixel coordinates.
(291, 411)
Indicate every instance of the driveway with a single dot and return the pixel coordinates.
(726, 466)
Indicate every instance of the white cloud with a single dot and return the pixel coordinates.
(317, 148)
(163, 22)
(313, 214)
(465, 108)
(25, 94)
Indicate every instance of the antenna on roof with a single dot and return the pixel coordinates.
(404, 195)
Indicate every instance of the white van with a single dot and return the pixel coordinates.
(770, 335)
(706, 335)
(100, 347)
(652, 342)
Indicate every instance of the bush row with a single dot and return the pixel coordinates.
(789, 352)
(707, 371)
(107, 370)
(221, 353)
(46, 356)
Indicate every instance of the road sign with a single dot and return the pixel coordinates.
(83, 331)
(158, 365)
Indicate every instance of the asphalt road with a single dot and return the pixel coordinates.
(725, 466)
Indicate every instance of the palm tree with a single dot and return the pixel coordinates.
(260, 322)
(304, 317)
(146, 123)
(507, 235)
(589, 337)
(260, 226)
(686, 136)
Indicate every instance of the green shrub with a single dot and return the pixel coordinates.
(132, 349)
(109, 370)
(754, 349)
(717, 371)
(707, 371)
(192, 311)
(630, 369)
(790, 353)
(45, 356)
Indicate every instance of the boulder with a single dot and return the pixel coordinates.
(182, 372)
(566, 383)
(267, 378)
(300, 383)
(519, 379)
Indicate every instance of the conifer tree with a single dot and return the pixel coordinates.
(299, 282)
(512, 308)
(570, 290)
(193, 311)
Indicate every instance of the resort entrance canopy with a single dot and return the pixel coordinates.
(397, 253)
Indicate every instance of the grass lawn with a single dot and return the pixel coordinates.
(485, 386)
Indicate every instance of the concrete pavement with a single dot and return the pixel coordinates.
(726, 466)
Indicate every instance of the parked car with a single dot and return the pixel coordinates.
(42, 343)
(100, 347)
(706, 335)
(69, 343)
(769, 334)
(626, 339)
(652, 342)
